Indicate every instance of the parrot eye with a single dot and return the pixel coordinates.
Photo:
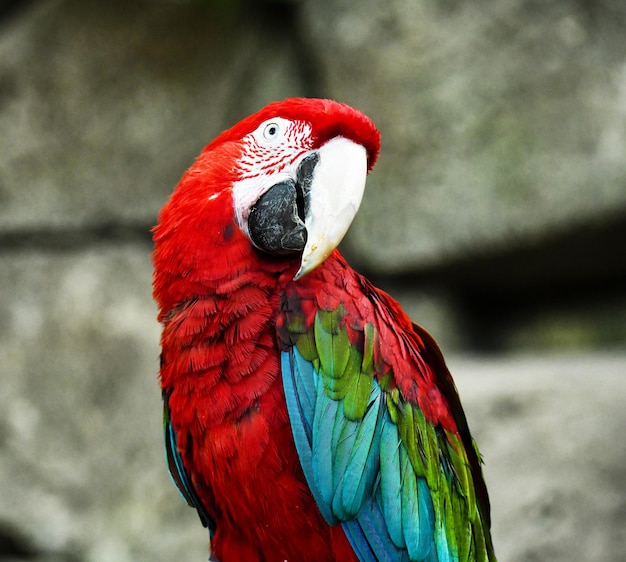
(271, 131)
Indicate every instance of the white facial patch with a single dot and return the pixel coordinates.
(246, 193)
(271, 154)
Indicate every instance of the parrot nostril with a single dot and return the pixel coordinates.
(300, 204)
(304, 180)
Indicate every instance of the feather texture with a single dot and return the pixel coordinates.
(177, 470)
(399, 479)
(305, 419)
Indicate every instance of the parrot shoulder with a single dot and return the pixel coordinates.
(378, 425)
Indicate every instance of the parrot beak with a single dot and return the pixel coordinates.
(332, 180)
(308, 209)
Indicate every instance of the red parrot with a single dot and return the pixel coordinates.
(306, 417)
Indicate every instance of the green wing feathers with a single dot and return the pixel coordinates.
(341, 365)
(367, 443)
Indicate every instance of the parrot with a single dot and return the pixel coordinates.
(306, 417)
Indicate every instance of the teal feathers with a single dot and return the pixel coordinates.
(177, 470)
(401, 486)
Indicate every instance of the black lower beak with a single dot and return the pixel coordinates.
(276, 220)
(274, 223)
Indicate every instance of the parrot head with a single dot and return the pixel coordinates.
(290, 177)
(302, 175)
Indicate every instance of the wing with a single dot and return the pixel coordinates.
(379, 428)
(177, 469)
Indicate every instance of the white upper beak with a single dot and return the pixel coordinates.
(335, 197)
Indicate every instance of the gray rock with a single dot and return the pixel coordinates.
(502, 122)
(82, 475)
(106, 104)
(550, 430)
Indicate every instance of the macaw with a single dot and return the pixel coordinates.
(306, 417)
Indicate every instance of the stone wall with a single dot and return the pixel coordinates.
(496, 214)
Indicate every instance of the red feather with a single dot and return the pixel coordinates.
(218, 298)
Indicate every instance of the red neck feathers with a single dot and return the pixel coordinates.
(198, 245)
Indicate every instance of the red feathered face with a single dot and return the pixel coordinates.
(268, 199)
(301, 176)
(325, 118)
(294, 173)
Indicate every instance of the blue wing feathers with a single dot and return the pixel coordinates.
(355, 534)
(306, 378)
(441, 542)
(298, 408)
(364, 462)
(369, 532)
(427, 519)
(293, 366)
(418, 522)
(409, 506)
(343, 440)
(178, 473)
(390, 485)
(175, 465)
(359, 472)
(322, 448)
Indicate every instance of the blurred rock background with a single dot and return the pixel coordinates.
(496, 214)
